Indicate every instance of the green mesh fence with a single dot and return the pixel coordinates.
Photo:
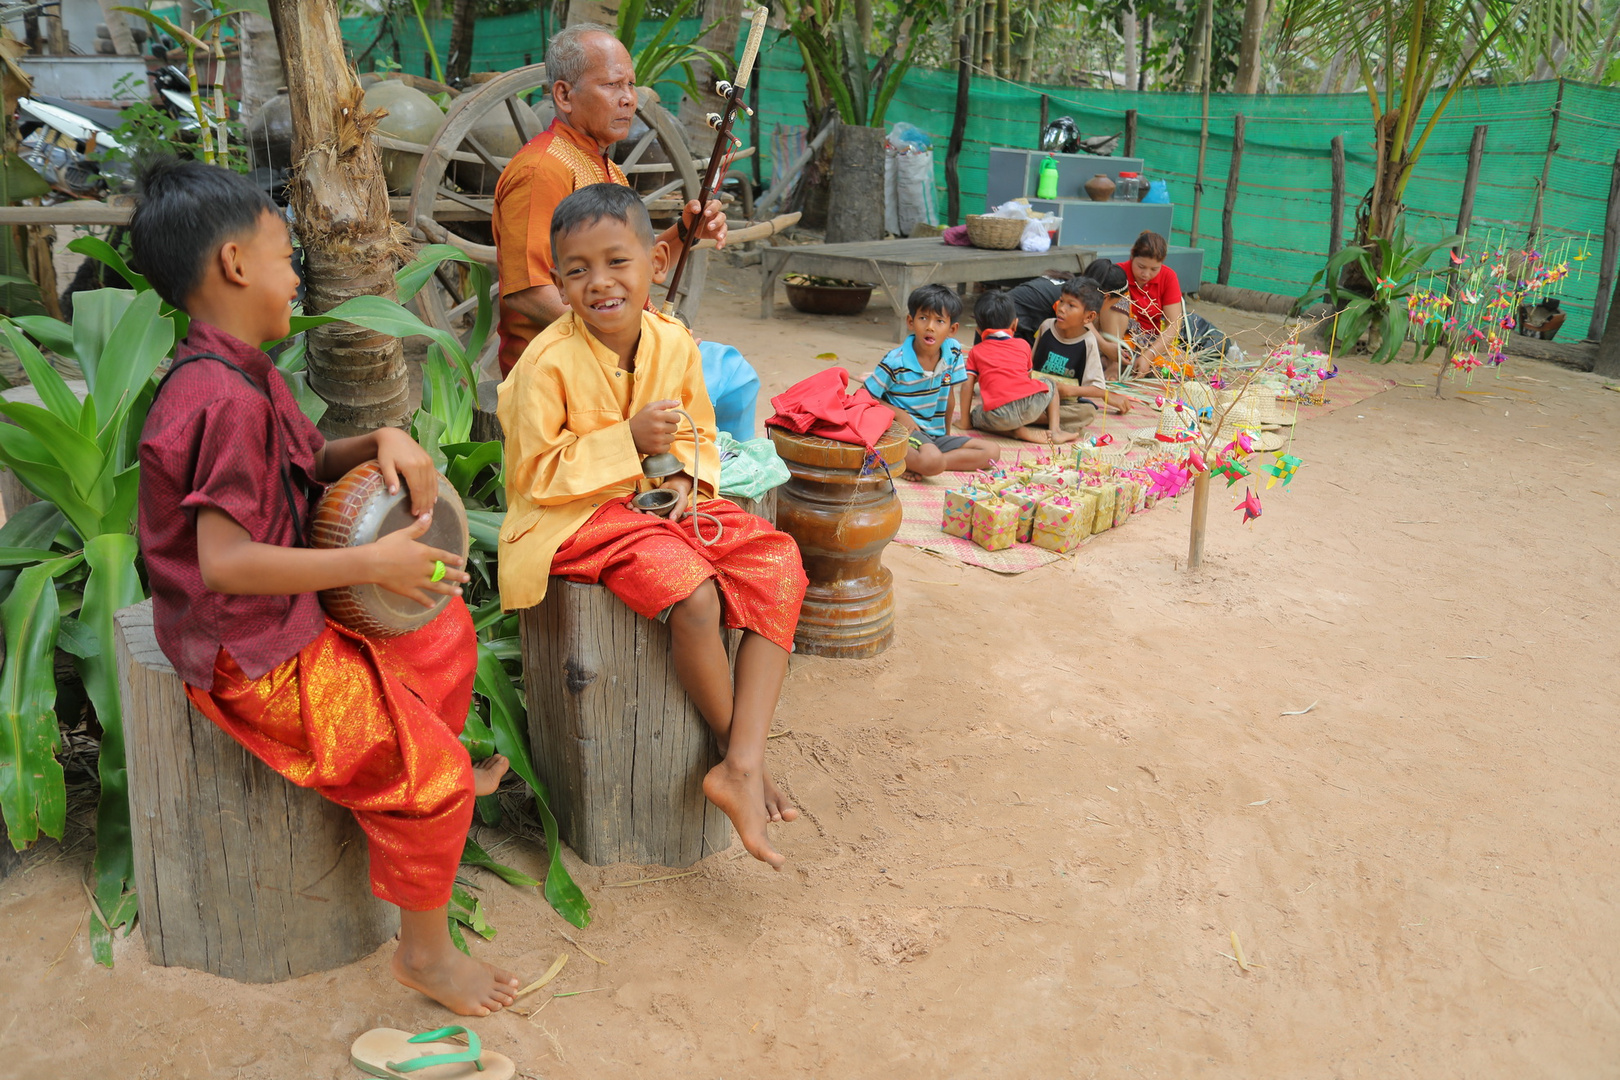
(1280, 223)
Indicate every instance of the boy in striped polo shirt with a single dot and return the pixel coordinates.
(916, 380)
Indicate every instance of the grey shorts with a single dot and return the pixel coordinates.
(1014, 414)
(945, 443)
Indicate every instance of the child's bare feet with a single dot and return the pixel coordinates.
(777, 805)
(740, 794)
(914, 476)
(1061, 437)
(487, 774)
(455, 980)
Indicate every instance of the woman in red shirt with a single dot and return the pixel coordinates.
(1157, 306)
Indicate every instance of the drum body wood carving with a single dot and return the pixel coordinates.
(842, 514)
(357, 510)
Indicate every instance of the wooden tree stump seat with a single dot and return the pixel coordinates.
(238, 872)
(614, 737)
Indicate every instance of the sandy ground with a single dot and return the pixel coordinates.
(1032, 826)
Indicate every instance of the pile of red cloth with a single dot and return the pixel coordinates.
(822, 406)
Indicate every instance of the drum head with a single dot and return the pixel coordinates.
(358, 510)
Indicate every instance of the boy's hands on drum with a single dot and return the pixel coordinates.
(653, 428)
(402, 565)
(398, 455)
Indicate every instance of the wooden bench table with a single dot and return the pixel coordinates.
(902, 265)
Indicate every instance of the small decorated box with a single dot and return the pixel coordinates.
(1059, 524)
(958, 519)
(1085, 511)
(1026, 501)
(995, 524)
(1107, 497)
(1124, 501)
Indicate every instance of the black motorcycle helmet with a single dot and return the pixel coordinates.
(1061, 136)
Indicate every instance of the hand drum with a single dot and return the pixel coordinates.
(358, 510)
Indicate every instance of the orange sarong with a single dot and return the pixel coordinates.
(372, 725)
(651, 562)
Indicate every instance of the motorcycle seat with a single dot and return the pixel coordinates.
(107, 119)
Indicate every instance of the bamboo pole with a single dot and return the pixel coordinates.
(964, 81)
(1336, 214)
(1130, 132)
(1546, 165)
(1203, 131)
(1230, 204)
(1611, 250)
(1200, 520)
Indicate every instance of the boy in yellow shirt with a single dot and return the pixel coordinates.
(591, 395)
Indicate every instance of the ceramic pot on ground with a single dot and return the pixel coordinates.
(829, 299)
(1100, 188)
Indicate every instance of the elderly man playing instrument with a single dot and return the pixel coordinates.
(594, 91)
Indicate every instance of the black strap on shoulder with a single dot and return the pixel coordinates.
(283, 458)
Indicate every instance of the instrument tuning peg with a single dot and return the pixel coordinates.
(714, 120)
(724, 88)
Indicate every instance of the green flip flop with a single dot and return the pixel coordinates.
(391, 1053)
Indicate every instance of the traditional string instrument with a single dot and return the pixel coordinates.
(724, 143)
(359, 510)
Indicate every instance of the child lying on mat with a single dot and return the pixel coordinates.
(591, 395)
(915, 379)
(1013, 401)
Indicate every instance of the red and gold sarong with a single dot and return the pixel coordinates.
(651, 562)
(372, 725)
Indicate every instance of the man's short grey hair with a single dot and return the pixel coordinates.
(567, 57)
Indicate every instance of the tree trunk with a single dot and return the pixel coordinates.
(1332, 74)
(262, 73)
(592, 11)
(863, 19)
(853, 212)
(1127, 30)
(1198, 60)
(340, 201)
(1608, 352)
(463, 19)
(1147, 43)
(723, 40)
(1254, 30)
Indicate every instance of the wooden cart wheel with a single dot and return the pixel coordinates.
(442, 211)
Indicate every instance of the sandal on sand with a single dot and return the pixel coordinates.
(389, 1052)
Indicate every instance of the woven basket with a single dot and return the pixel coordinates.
(995, 233)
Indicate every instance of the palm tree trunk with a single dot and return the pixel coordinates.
(1254, 29)
(463, 19)
(340, 201)
(1127, 30)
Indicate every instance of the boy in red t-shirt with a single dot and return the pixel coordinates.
(229, 470)
(1011, 398)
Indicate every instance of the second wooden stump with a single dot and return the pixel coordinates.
(614, 737)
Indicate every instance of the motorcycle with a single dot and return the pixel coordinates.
(58, 137)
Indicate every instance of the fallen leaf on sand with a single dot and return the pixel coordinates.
(1302, 712)
(551, 973)
(1262, 802)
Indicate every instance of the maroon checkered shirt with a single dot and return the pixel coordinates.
(216, 437)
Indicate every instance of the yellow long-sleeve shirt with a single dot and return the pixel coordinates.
(565, 410)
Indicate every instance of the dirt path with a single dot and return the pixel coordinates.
(1032, 826)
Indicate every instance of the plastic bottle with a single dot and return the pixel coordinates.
(1047, 187)
(1128, 187)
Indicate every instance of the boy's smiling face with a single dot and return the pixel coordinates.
(930, 329)
(605, 271)
(264, 267)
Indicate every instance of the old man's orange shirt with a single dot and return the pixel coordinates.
(550, 167)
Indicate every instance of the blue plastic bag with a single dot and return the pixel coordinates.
(1158, 192)
(733, 388)
(904, 136)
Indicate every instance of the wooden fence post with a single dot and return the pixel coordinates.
(1130, 132)
(1336, 214)
(1046, 111)
(1546, 165)
(1476, 154)
(1203, 147)
(1200, 521)
(964, 80)
(1230, 204)
(1611, 250)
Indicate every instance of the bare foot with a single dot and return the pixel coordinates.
(455, 980)
(777, 805)
(487, 774)
(914, 476)
(741, 795)
(1059, 438)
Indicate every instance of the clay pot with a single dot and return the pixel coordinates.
(412, 117)
(829, 299)
(1100, 188)
(842, 518)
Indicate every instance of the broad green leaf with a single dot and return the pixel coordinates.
(465, 467)
(54, 334)
(310, 403)
(95, 314)
(31, 463)
(76, 639)
(141, 339)
(10, 556)
(33, 798)
(508, 722)
(74, 454)
(52, 389)
(98, 249)
(476, 736)
(484, 528)
(113, 584)
(383, 316)
(411, 278)
(34, 526)
(474, 855)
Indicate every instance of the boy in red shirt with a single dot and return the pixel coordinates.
(1011, 398)
(229, 470)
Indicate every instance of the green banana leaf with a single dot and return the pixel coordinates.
(32, 796)
(113, 584)
(410, 279)
(507, 721)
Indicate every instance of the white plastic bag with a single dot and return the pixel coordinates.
(908, 191)
(1035, 237)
